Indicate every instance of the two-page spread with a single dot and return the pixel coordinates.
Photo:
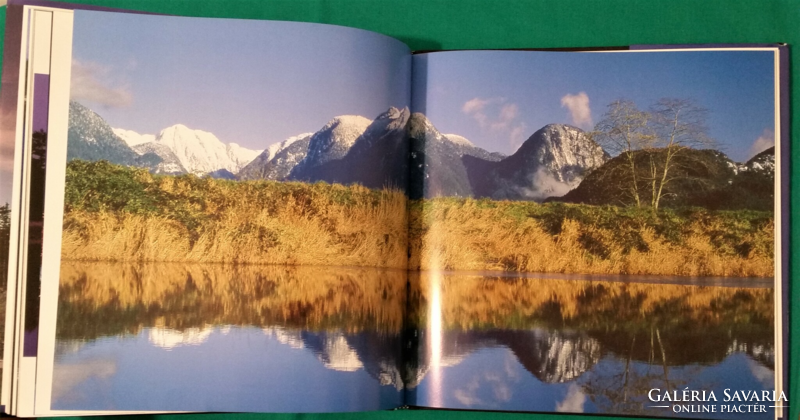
(239, 215)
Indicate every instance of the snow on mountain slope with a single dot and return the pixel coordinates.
(549, 163)
(201, 152)
(170, 164)
(133, 138)
(90, 138)
(275, 148)
(334, 140)
(240, 155)
(277, 161)
(460, 140)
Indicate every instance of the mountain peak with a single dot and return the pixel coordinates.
(132, 138)
(460, 140)
(201, 152)
(552, 161)
(394, 113)
(334, 140)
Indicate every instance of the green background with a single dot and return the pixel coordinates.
(474, 24)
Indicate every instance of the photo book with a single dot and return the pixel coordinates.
(222, 215)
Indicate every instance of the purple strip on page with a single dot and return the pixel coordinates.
(30, 343)
(785, 163)
(41, 101)
(39, 117)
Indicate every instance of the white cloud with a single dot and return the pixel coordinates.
(573, 402)
(763, 142)
(761, 373)
(541, 185)
(498, 117)
(474, 105)
(578, 106)
(508, 113)
(467, 395)
(92, 82)
(68, 377)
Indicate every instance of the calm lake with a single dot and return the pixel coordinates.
(593, 345)
(199, 337)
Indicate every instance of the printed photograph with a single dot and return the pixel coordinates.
(590, 226)
(235, 230)
(269, 216)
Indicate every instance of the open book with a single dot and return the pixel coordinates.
(231, 215)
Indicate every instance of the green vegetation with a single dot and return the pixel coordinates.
(468, 234)
(114, 213)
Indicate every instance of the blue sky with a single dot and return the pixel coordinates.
(497, 99)
(256, 82)
(247, 81)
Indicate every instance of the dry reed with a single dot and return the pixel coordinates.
(103, 295)
(252, 229)
(467, 235)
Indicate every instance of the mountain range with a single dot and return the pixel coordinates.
(174, 150)
(404, 150)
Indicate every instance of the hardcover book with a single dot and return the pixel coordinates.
(219, 215)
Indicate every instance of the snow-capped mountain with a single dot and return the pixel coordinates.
(168, 339)
(132, 138)
(185, 150)
(241, 156)
(377, 157)
(551, 162)
(332, 141)
(270, 152)
(460, 140)
(276, 162)
(175, 150)
(391, 150)
(201, 152)
(198, 152)
(89, 137)
(437, 161)
(763, 162)
(170, 164)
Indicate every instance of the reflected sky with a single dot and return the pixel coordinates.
(218, 369)
(586, 346)
(492, 378)
(319, 339)
(177, 337)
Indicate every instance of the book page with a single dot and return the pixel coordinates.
(597, 232)
(232, 234)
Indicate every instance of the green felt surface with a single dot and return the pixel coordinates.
(473, 24)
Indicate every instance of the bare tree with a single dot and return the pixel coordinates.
(624, 130)
(677, 125)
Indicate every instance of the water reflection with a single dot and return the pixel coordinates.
(296, 339)
(585, 346)
(228, 338)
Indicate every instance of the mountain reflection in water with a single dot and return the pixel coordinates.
(228, 338)
(527, 344)
(296, 339)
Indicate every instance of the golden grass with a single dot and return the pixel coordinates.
(465, 235)
(474, 301)
(113, 213)
(101, 298)
(105, 296)
(293, 231)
